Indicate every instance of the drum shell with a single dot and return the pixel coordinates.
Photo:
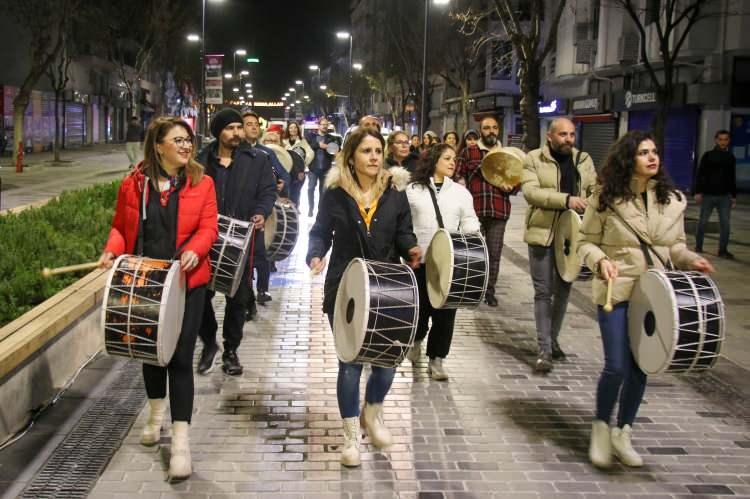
(281, 231)
(229, 254)
(142, 309)
(457, 270)
(676, 322)
(376, 313)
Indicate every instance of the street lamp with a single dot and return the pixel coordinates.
(240, 52)
(357, 66)
(323, 87)
(423, 107)
(228, 76)
(343, 35)
(203, 64)
(192, 37)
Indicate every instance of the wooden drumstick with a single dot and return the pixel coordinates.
(608, 305)
(47, 272)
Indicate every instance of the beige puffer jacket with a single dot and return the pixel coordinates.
(605, 235)
(540, 183)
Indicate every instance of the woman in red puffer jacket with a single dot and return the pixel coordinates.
(166, 209)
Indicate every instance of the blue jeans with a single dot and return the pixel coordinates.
(621, 377)
(723, 204)
(347, 385)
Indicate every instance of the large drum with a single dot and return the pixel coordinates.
(676, 322)
(503, 168)
(377, 309)
(281, 231)
(569, 266)
(229, 254)
(457, 270)
(144, 301)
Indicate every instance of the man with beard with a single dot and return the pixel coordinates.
(555, 178)
(491, 203)
(246, 190)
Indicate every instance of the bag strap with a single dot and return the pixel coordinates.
(364, 252)
(645, 247)
(435, 204)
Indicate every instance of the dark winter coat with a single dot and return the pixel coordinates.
(717, 174)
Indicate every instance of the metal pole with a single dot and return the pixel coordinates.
(203, 72)
(351, 38)
(422, 106)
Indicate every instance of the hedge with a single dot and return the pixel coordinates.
(69, 229)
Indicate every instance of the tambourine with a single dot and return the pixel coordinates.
(333, 148)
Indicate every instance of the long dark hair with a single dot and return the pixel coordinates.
(426, 168)
(617, 172)
(300, 136)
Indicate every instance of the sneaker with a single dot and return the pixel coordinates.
(231, 363)
(436, 370)
(726, 254)
(251, 312)
(557, 352)
(415, 352)
(490, 300)
(543, 363)
(263, 297)
(208, 355)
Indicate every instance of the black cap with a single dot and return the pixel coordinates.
(223, 118)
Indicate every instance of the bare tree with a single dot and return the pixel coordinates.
(532, 32)
(671, 22)
(59, 76)
(45, 22)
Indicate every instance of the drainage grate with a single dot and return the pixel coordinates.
(75, 465)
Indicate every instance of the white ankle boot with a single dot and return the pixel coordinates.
(372, 422)
(152, 429)
(180, 465)
(436, 369)
(415, 352)
(350, 451)
(623, 449)
(600, 450)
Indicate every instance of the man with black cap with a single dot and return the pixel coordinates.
(246, 190)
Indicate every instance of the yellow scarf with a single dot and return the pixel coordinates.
(368, 214)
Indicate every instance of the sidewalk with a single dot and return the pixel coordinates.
(42, 178)
(495, 430)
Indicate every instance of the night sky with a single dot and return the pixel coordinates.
(287, 36)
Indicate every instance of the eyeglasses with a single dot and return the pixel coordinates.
(186, 142)
(401, 142)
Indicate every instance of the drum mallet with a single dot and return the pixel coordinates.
(47, 272)
(608, 305)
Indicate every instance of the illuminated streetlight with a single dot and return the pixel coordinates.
(240, 52)
(248, 85)
(286, 94)
(235, 89)
(228, 76)
(193, 38)
(342, 35)
(283, 98)
(299, 82)
(357, 66)
(323, 87)
(244, 72)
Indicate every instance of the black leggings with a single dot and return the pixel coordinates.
(443, 320)
(180, 368)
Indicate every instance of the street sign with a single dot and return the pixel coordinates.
(214, 79)
(253, 59)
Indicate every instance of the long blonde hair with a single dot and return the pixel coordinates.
(345, 162)
(157, 130)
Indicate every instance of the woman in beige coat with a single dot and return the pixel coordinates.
(634, 199)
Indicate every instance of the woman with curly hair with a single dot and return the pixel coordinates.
(634, 202)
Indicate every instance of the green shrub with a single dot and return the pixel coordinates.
(69, 229)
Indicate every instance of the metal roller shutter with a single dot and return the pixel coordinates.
(75, 124)
(596, 139)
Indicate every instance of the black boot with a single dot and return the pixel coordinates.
(231, 363)
(557, 352)
(251, 312)
(206, 363)
(490, 300)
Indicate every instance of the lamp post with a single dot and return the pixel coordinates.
(423, 107)
(343, 35)
(202, 121)
(240, 52)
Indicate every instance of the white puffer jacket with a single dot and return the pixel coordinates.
(456, 207)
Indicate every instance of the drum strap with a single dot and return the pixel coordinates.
(435, 204)
(645, 247)
(365, 254)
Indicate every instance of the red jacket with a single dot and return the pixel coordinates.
(197, 217)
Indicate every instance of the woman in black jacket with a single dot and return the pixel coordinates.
(361, 211)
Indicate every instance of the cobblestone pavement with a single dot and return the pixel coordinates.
(495, 429)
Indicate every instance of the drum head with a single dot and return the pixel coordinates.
(269, 230)
(653, 323)
(566, 245)
(439, 268)
(502, 168)
(171, 314)
(352, 310)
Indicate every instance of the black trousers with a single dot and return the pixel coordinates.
(295, 191)
(179, 371)
(261, 263)
(443, 320)
(234, 316)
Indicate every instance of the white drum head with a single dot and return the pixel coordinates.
(439, 268)
(653, 323)
(269, 230)
(351, 310)
(171, 313)
(566, 245)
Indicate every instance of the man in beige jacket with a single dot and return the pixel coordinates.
(555, 178)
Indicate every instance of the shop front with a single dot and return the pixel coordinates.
(596, 128)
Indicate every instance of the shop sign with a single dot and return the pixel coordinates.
(628, 100)
(591, 104)
(483, 103)
(553, 107)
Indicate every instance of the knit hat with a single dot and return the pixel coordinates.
(431, 134)
(471, 131)
(276, 128)
(223, 118)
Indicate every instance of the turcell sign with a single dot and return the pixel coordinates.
(633, 100)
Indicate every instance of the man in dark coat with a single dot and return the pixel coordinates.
(246, 190)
